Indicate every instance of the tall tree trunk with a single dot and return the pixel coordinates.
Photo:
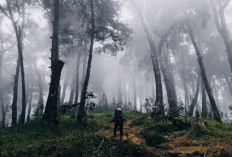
(81, 110)
(20, 50)
(125, 92)
(19, 37)
(155, 63)
(40, 106)
(30, 95)
(3, 123)
(15, 94)
(72, 90)
(194, 101)
(84, 68)
(220, 22)
(74, 110)
(153, 89)
(77, 78)
(50, 114)
(186, 92)
(204, 112)
(166, 70)
(64, 90)
(204, 76)
(135, 93)
(141, 97)
(119, 91)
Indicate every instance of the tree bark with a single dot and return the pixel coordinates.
(119, 91)
(77, 78)
(15, 94)
(40, 107)
(194, 101)
(19, 36)
(155, 63)
(135, 93)
(29, 104)
(219, 18)
(64, 90)
(204, 76)
(81, 110)
(204, 112)
(141, 97)
(50, 114)
(167, 75)
(3, 123)
(72, 91)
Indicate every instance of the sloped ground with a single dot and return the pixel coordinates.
(179, 143)
(96, 138)
(130, 133)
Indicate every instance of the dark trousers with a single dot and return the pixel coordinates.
(120, 125)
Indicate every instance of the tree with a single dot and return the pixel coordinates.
(155, 63)
(2, 125)
(104, 26)
(204, 76)
(19, 36)
(194, 101)
(50, 114)
(204, 112)
(220, 22)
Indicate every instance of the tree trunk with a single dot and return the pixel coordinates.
(72, 91)
(77, 78)
(19, 37)
(194, 101)
(81, 110)
(153, 89)
(166, 70)
(50, 114)
(125, 92)
(186, 92)
(155, 63)
(141, 97)
(64, 90)
(40, 106)
(3, 123)
(135, 93)
(204, 76)
(119, 91)
(204, 112)
(219, 18)
(15, 94)
(84, 68)
(29, 104)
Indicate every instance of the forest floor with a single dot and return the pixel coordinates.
(142, 137)
(179, 143)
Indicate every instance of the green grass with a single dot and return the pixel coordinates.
(67, 139)
(213, 128)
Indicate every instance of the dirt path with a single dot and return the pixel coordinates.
(180, 145)
(130, 133)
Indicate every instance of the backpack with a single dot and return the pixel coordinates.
(118, 116)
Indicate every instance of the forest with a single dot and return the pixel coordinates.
(75, 73)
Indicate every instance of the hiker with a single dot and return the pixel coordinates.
(118, 121)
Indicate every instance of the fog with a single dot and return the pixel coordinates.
(122, 75)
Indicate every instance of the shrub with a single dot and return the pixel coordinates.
(153, 138)
(197, 131)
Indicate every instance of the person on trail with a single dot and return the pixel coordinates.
(118, 120)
